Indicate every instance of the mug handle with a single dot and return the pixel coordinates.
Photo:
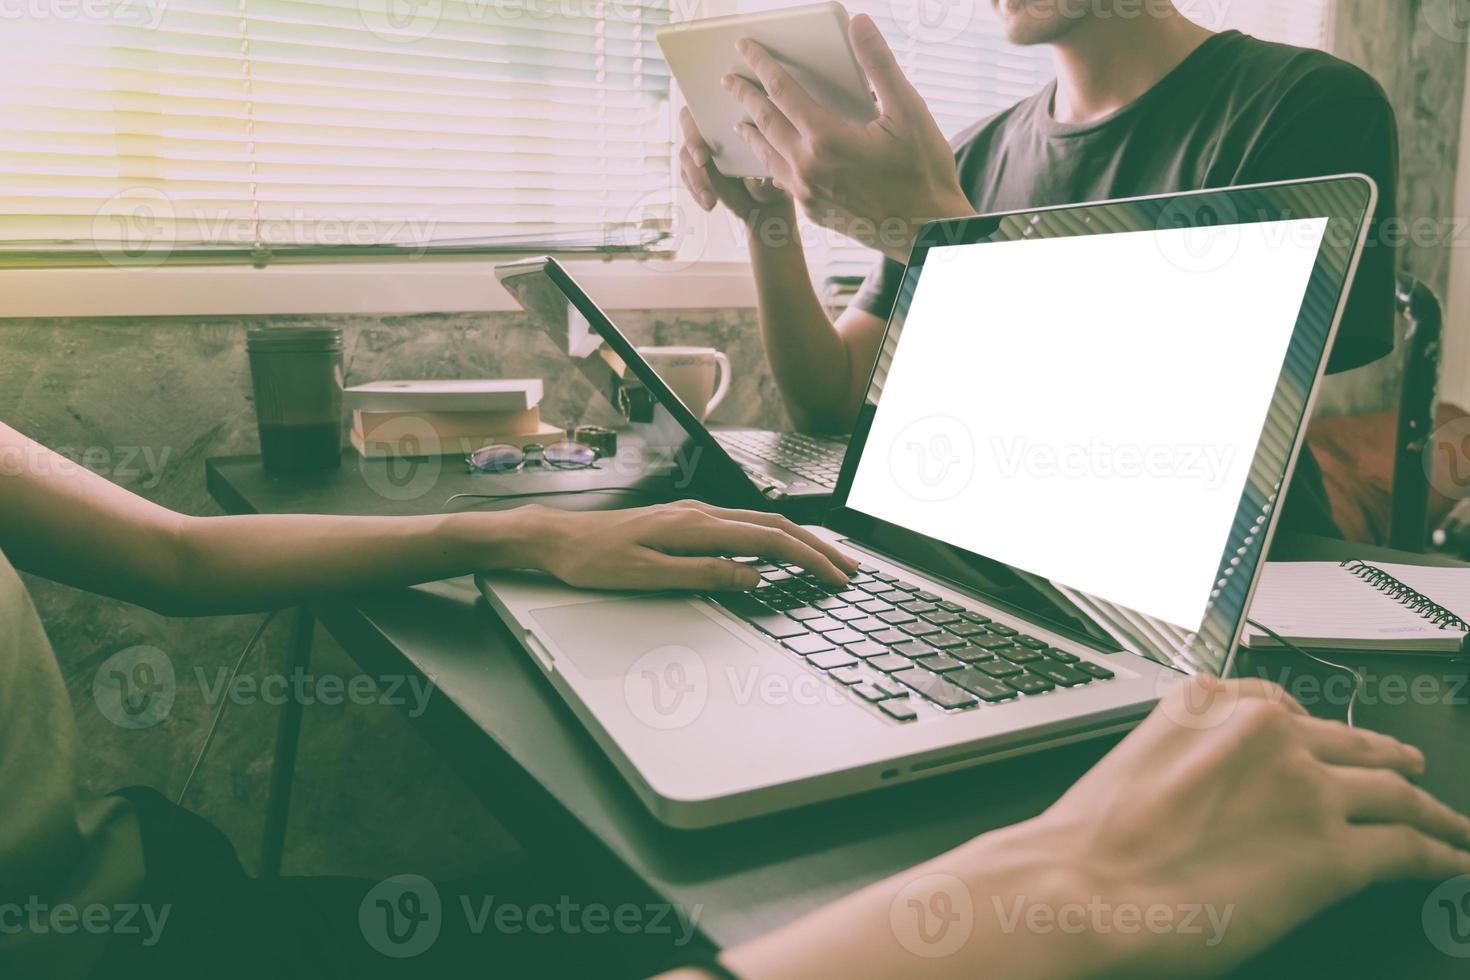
(723, 388)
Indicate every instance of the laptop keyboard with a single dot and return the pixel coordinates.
(894, 645)
(817, 460)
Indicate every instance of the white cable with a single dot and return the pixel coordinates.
(1358, 682)
(224, 702)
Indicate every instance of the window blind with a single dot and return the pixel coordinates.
(960, 61)
(261, 128)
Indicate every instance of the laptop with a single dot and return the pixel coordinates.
(1061, 486)
(788, 472)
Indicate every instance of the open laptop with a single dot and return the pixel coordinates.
(1061, 500)
(785, 471)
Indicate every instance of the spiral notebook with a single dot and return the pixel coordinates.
(1358, 605)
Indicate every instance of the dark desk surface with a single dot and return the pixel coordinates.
(528, 759)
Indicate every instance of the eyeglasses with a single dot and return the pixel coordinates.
(502, 458)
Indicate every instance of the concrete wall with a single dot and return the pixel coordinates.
(146, 402)
(1417, 51)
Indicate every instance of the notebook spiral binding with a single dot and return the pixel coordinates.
(1401, 593)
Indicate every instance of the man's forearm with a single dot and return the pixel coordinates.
(808, 356)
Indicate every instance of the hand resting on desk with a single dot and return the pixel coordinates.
(1229, 817)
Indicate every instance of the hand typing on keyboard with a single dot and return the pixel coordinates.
(1229, 817)
(896, 646)
(676, 546)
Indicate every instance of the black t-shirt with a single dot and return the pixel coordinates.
(1237, 111)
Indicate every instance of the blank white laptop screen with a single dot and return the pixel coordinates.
(1087, 408)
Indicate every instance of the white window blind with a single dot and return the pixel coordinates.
(142, 129)
(958, 58)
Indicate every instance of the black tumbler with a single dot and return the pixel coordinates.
(297, 376)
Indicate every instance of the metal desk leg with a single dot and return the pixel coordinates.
(288, 735)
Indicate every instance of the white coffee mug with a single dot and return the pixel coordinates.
(700, 376)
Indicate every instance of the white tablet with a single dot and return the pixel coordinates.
(809, 41)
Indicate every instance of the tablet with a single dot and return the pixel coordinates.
(809, 41)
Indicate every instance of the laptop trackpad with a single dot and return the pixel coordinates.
(608, 639)
(672, 686)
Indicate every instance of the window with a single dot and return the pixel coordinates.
(255, 130)
(959, 60)
(145, 129)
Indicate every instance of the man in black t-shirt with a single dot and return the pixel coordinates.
(1142, 105)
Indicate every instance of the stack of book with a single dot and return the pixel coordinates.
(445, 418)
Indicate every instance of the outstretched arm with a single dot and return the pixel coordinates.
(61, 521)
(1228, 818)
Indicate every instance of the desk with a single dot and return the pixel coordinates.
(524, 755)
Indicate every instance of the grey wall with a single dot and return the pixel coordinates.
(146, 402)
(1417, 52)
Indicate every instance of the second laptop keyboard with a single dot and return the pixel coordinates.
(817, 460)
(890, 641)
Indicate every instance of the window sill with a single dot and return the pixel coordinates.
(369, 289)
